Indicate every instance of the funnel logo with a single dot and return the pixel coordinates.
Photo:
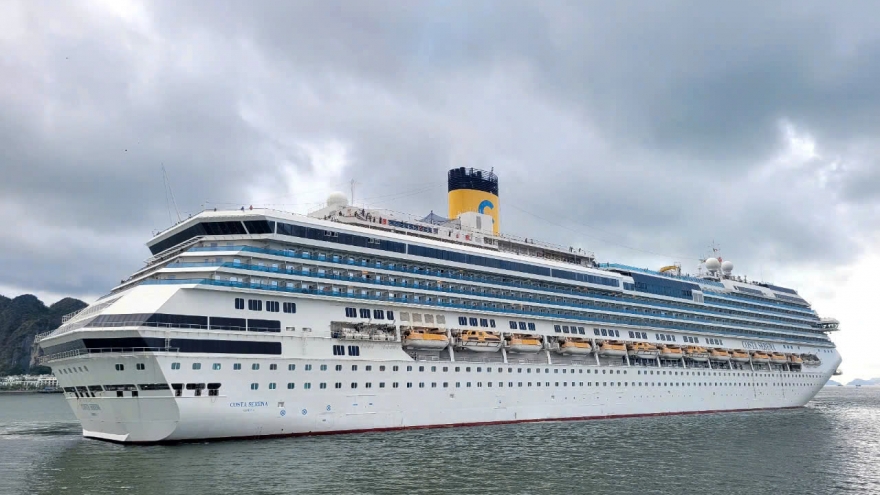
(485, 204)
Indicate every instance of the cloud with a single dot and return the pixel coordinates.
(642, 132)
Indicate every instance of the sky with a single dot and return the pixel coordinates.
(645, 132)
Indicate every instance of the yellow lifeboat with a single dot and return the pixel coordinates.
(760, 357)
(612, 348)
(719, 355)
(523, 343)
(642, 350)
(670, 352)
(574, 345)
(425, 338)
(739, 356)
(795, 359)
(479, 341)
(696, 353)
(778, 358)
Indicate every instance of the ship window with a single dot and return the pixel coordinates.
(263, 325)
(273, 367)
(472, 321)
(513, 325)
(236, 366)
(631, 334)
(255, 366)
(239, 303)
(307, 385)
(462, 320)
(484, 322)
(255, 305)
(522, 325)
(290, 386)
(139, 366)
(492, 323)
(565, 329)
(197, 366)
(175, 366)
(215, 366)
(365, 313)
(272, 386)
(604, 332)
(531, 326)
(120, 367)
(290, 307)
(272, 306)
(338, 350)
(350, 312)
(557, 328)
(389, 314)
(255, 386)
(581, 331)
(354, 385)
(378, 314)
(354, 350)
(291, 367)
(408, 384)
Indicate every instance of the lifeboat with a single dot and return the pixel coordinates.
(523, 343)
(795, 359)
(696, 353)
(760, 357)
(739, 356)
(423, 338)
(811, 359)
(719, 355)
(612, 348)
(670, 352)
(479, 341)
(575, 346)
(642, 350)
(778, 358)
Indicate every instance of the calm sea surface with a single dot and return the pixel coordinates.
(831, 446)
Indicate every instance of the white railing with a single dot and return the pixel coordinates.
(68, 316)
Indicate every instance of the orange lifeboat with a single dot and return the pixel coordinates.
(612, 348)
(423, 338)
(573, 345)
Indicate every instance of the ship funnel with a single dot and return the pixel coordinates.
(473, 190)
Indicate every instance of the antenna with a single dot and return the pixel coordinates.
(353, 183)
(167, 183)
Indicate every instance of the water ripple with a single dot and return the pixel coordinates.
(830, 446)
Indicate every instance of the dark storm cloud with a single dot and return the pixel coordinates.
(654, 125)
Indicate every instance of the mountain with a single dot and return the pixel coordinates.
(865, 383)
(832, 383)
(20, 320)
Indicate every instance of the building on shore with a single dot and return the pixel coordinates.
(28, 382)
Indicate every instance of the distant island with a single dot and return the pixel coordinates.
(832, 383)
(21, 319)
(872, 382)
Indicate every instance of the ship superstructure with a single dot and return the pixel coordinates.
(257, 322)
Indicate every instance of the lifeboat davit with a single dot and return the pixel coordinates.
(719, 355)
(422, 338)
(778, 358)
(760, 357)
(795, 359)
(739, 356)
(575, 346)
(670, 352)
(642, 350)
(696, 353)
(479, 341)
(523, 343)
(611, 348)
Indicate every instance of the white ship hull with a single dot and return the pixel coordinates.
(160, 417)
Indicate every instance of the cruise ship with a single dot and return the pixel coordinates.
(255, 323)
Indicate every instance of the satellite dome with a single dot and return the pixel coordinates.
(727, 267)
(712, 264)
(337, 199)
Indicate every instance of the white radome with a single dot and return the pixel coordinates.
(337, 199)
(712, 264)
(727, 267)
